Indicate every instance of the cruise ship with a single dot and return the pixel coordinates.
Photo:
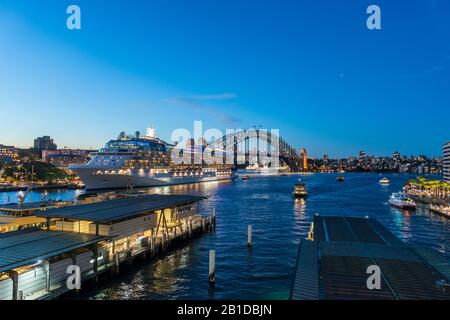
(144, 161)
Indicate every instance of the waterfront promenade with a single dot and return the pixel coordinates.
(428, 191)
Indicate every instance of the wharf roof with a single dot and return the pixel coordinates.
(119, 209)
(29, 206)
(19, 221)
(25, 247)
(334, 265)
(350, 229)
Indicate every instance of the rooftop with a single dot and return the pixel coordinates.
(28, 206)
(28, 246)
(334, 264)
(118, 209)
(19, 221)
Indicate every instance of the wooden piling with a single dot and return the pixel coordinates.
(249, 236)
(212, 267)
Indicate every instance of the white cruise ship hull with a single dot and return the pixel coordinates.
(94, 181)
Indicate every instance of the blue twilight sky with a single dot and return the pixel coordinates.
(308, 68)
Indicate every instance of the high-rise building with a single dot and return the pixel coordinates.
(44, 143)
(446, 161)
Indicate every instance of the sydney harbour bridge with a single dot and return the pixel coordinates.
(258, 146)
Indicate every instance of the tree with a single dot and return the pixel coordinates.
(42, 171)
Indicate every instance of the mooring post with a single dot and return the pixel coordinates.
(203, 224)
(212, 267)
(249, 236)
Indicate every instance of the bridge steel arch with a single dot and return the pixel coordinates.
(230, 142)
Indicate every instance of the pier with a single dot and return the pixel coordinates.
(15, 216)
(98, 238)
(334, 262)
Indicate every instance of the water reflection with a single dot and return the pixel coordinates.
(161, 277)
(300, 207)
(279, 222)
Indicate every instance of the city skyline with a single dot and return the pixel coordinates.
(317, 73)
(356, 155)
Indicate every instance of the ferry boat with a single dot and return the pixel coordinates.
(402, 201)
(135, 161)
(300, 190)
(384, 181)
(340, 178)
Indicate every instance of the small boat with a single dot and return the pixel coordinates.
(401, 201)
(443, 210)
(384, 181)
(300, 190)
(246, 177)
(340, 178)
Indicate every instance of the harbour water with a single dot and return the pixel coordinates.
(279, 222)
